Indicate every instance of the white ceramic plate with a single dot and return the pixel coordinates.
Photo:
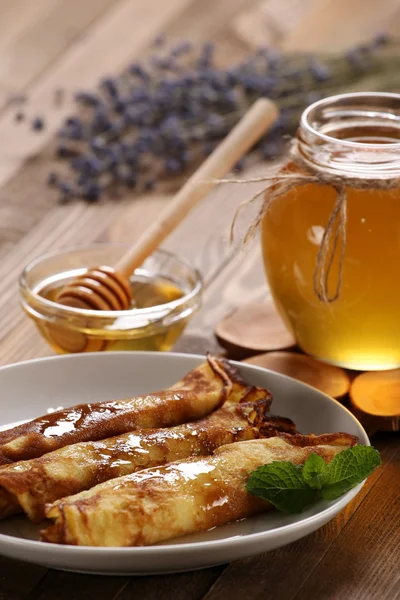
(28, 389)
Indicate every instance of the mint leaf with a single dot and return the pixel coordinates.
(281, 483)
(291, 488)
(347, 469)
(314, 471)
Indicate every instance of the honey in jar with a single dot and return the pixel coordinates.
(147, 291)
(354, 139)
(166, 292)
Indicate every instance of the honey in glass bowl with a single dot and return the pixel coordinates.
(354, 138)
(166, 292)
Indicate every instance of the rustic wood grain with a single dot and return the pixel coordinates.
(58, 585)
(353, 557)
(337, 24)
(27, 50)
(313, 26)
(239, 281)
(183, 586)
(270, 21)
(16, 15)
(14, 585)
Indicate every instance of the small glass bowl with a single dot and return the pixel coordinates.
(151, 328)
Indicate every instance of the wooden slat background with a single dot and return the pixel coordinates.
(50, 44)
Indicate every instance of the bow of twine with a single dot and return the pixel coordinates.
(334, 238)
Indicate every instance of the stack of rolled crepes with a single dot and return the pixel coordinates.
(177, 462)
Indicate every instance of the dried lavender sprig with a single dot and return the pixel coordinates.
(160, 117)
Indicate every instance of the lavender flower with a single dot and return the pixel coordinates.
(91, 191)
(164, 114)
(38, 124)
(52, 179)
(66, 192)
(87, 98)
(159, 41)
(319, 71)
(149, 184)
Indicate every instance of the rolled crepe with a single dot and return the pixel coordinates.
(201, 391)
(29, 485)
(184, 497)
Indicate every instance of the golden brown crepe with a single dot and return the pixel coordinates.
(184, 497)
(200, 392)
(29, 485)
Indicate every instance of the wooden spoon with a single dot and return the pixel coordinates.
(331, 380)
(252, 329)
(107, 288)
(375, 399)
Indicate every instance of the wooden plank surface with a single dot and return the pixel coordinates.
(38, 32)
(316, 25)
(48, 44)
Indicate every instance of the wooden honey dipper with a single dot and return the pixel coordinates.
(108, 288)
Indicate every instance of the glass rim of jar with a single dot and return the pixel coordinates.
(149, 312)
(332, 100)
(355, 134)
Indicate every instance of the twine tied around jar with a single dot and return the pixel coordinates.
(334, 239)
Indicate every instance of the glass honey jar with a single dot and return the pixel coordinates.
(336, 223)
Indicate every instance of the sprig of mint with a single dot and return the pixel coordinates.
(290, 488)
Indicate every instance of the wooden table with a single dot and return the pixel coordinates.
(48, 44)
